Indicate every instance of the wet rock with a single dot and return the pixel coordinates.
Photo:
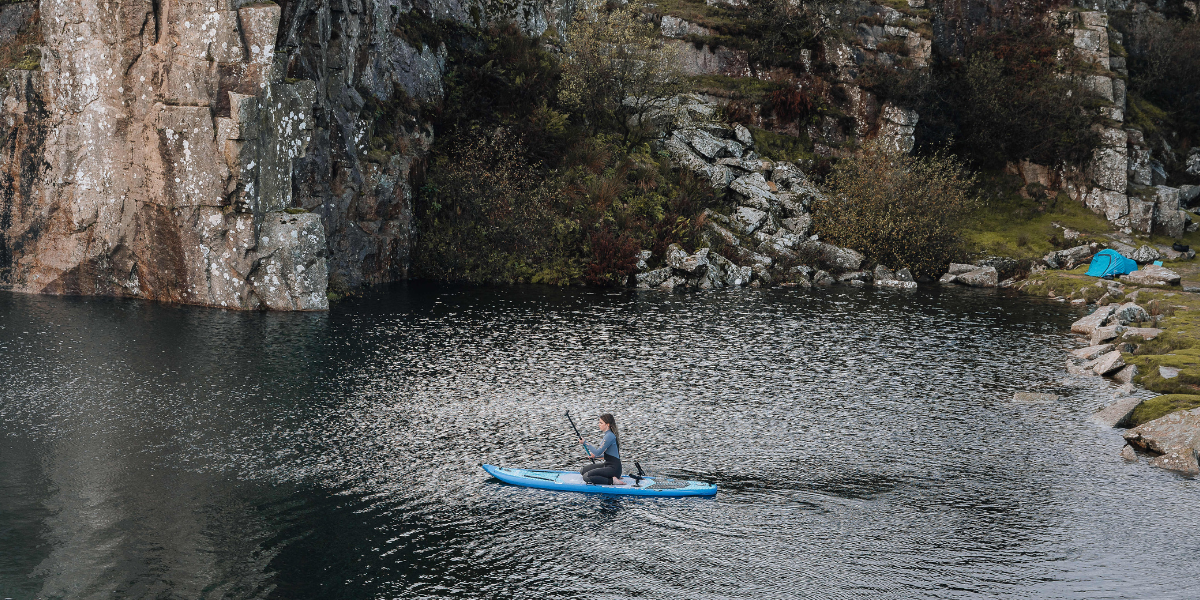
(1091, 352)
(833, 258)
(1174, 437)
(823, 279)
(1152, 275)
(1108, 363)
(1128, 453)
(905, 275)
(643, 256)
(981, 277)
(651, 279)
(853, 277)
(948, 278)
(1117, 413)
(1126, 374)
(1034, 397)
(1145, 254)
(1005, 267)
(1087, 325)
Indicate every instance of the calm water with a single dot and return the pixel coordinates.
(865, 443)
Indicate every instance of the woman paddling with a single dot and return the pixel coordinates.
(608, 472)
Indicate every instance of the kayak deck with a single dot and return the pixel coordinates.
(572, 481)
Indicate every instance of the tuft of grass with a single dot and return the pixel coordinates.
(1161, 406)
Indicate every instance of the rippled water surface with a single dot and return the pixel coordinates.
(865, 443)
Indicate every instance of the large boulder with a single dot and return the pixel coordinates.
(1128, 313)
(1167, 219)
(756, 191)
(1174, 437)
(694, 264)
(1108, 363)
(747, 220)
(1117, 413)
(1091, 352)
(981, 277)
(1145, 254)
(1071, 257)
(830, 257)
(651, 279)
(1087, 325)
(1152, 275)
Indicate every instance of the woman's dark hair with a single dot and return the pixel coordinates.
(612, 426)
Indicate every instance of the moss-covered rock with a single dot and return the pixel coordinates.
(1161, 406)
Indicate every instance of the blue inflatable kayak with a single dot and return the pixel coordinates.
(572, 481)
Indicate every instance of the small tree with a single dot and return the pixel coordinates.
(898, 209)
(616, 66)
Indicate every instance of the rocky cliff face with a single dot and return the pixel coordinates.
(219, 152)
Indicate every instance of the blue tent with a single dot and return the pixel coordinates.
(1110, 262)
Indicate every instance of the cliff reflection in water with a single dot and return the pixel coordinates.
(865, 444)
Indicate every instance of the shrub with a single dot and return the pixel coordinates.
(614, 258)
(615, 65)
(486, 214)
(900, 210)
(1011, 98)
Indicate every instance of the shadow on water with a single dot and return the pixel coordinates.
(864, 441)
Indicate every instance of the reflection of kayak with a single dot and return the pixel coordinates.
(572, 481)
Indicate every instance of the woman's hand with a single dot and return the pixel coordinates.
(581, 442)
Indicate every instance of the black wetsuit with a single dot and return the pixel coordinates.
(603, 473)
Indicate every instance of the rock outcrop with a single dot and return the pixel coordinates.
(160, 145)
(1174, 440)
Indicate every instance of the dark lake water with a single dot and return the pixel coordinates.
(865, 443)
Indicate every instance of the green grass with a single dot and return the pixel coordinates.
(736, 88)
(1155, 408)
(777, 146)
(1010, 225)
(721, 19)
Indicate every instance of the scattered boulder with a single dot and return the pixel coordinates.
(1108, 363)
(651, 279)
(823, 279)
(883, 273)
(694, 264)
(643, 256)
(855, 278)
(1145, 254)
(1034, 397)
(1152, 275)
(1117, 413)
(1091, 352)
(905, 275)
(981, 277)
(1088, 324)
(1103, 334)
(948, 278)
(747, 219)
(959, 268)
(1071, 257)
(1128, 313)
(1175, 438)
(1005, 267)
(1126, 374)
(1146, 333)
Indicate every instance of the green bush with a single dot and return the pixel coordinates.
(897, 209)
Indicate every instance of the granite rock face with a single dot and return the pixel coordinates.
(161, 143)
